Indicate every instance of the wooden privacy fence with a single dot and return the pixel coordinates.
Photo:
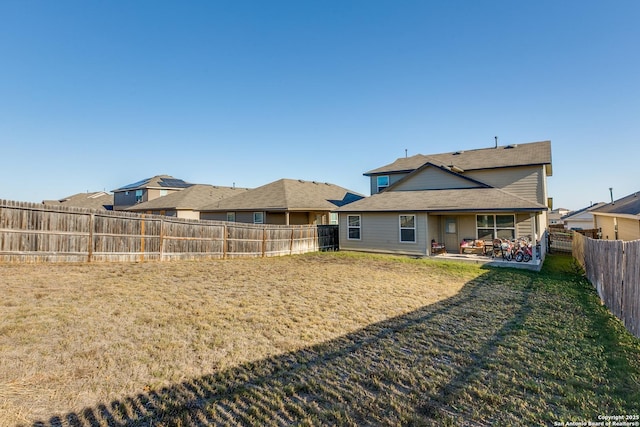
(613, 267)
(31, 232)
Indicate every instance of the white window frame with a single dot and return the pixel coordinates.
(259, 215)
(354, 227)
(383, 186)
(139, 196)
(401, 228)
(231, 217)
(333, 218)
(495, 224)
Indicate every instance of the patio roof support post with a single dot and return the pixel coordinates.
(286, 218)
(534, 236)
(426, 234)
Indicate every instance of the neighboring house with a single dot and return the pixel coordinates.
(188, 202)
(146, 190)
(479, 194)
(619, 220)
(285, 201)
(96, 200)
(556, 215)
(581, 219)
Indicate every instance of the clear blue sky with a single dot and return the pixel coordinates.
(95, 94)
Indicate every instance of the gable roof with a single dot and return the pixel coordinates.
(165, 182)
(288, 194)
(456, 200)
(573, 214)
(629, 205)
(533, 153)
(193, 197)
(94, 200)
(470, 182)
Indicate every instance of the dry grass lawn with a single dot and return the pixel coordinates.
(78, 336)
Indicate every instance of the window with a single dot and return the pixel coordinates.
(496, 226)
(353, 227)
(408, 228)
(164, 192)
(231, 216)
(383, 182)
(333, 218)
(258, 217)
(138, 196)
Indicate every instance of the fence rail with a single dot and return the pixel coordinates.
(31, 232)
(613, 267)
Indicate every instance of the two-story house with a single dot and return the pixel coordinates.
(483, 194)
(146, 190)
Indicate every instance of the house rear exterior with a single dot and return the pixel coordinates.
(448, 198)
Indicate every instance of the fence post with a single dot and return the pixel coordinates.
(224, 241)
(264, 240)
(90, 248)
(142, 238)
(161, 239)
(291, 241)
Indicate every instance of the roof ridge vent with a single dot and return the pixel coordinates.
(457, 153)
(511, 146)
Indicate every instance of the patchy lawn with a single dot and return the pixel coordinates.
(332, 338)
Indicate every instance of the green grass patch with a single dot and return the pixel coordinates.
(317, 339)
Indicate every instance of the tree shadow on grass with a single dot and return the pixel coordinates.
(408, 370)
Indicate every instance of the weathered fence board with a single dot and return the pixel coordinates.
(37, 233)
(613, 267)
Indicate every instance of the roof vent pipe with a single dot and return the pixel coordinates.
(611, 193)
(406, 153)
(496, 138)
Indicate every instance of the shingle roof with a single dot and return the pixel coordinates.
(580, 211)
(194, 197)
(158, 181)
(457, 200)
(288, 194)
(629, 205)
(533, 153)
(94, 200)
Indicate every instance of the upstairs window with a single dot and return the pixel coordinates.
(258, 217)
(139, 196)
(382, 182)
(231, 216)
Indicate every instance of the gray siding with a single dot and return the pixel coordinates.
(526, 182)
(434, 179)
(393, 178)
(380, 232)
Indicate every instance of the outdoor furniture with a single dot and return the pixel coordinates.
(472, 246)
(437, 248)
